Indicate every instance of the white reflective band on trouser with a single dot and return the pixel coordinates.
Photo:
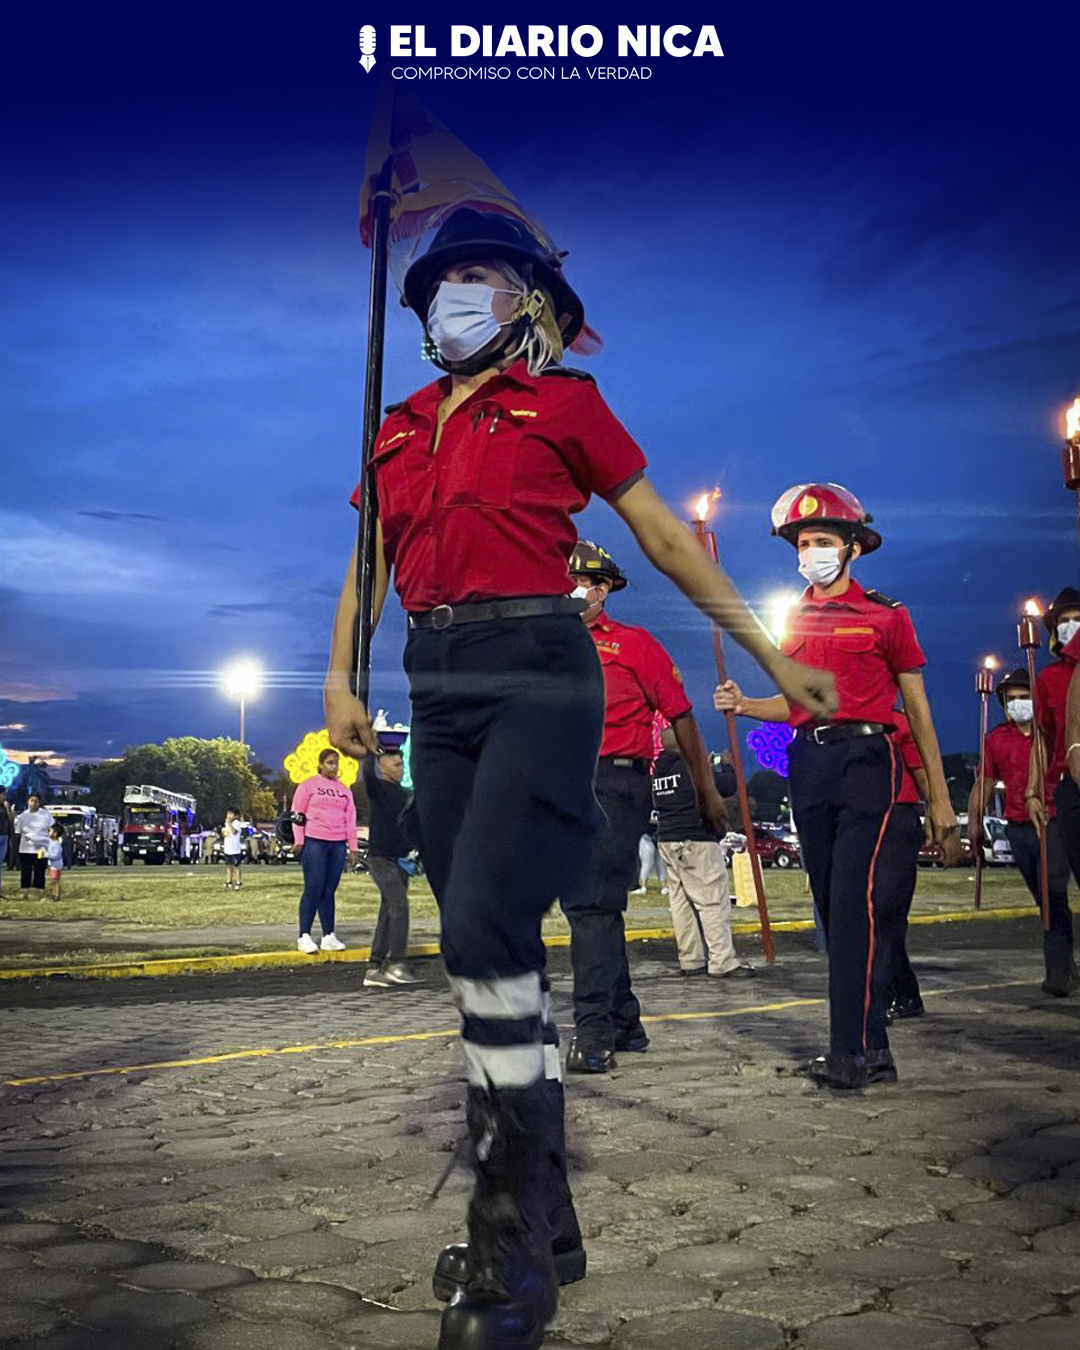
(503, 1066)
(552, 1064)
(514, 996)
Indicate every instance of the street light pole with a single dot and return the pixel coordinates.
(242, 680)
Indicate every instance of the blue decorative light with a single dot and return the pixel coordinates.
(769, 743)
(9, 770)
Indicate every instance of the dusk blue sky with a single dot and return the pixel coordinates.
(845, 250)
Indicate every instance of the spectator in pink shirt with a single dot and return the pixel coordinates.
(322, 842)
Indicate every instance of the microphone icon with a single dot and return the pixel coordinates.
(367, 46)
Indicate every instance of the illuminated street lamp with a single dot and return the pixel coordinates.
(242, 680)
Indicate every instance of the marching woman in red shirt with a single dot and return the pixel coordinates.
(478, 476)
(845, 776)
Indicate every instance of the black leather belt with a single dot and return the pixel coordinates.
(525, 607)
(842, 731)
(625, 762)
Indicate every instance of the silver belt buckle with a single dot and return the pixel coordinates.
(816, 737)
(442, 616)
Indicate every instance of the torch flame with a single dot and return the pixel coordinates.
(703, 505)
(1032, 608)
(990, 663)
(1072, 421)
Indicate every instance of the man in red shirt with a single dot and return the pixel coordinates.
(640, 680)
(844, 775)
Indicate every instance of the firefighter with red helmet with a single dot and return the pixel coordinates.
(1008, 761)
(478, 476)
(640, 680)
(845, 774)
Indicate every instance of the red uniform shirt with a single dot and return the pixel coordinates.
(908, 754)
(866, 644)
(488, 512)
(640, 679)
(1052, 689)
(1008, 757)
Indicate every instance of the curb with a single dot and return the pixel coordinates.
(196, 965)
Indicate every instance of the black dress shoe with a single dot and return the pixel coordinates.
(588, 1059)
(633, 1042)
(739, 972)
(838, 1069)
(901, 1008)
(880, 1067)
(1059, 983)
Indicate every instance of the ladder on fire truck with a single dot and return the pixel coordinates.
(175, 801)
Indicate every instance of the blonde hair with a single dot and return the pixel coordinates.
(541, 344)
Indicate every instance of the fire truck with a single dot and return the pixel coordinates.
(156, 824)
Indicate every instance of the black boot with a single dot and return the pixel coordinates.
(567, 1250)
(510, 1293)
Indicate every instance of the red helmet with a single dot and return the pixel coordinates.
(823, 504)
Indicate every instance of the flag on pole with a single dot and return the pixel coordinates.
(432, 174)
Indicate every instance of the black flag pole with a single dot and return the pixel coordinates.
(367, 514)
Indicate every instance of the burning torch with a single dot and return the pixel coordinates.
(1028, 639)
(707, 539)
(984, 687)
(1070, 454)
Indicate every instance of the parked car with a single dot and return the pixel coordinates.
(774, 850)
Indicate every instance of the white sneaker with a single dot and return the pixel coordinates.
(306, 943)
(398, 973)
(640, 891)
(331, 943)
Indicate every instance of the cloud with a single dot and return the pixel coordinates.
(121, 517)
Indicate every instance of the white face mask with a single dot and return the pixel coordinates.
(1020, 709)
(820, 566)
(581, 593)
(1067, 631)
(461, 318)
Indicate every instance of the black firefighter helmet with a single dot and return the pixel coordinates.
(591, 561)
(1016, 682)
(468, 235)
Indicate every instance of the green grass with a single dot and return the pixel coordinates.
(119, 905)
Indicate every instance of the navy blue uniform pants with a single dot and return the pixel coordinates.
(604, 1003)
(1024, 842)
(322, 862)
(506, 725)
(897, 873)
(842, 795)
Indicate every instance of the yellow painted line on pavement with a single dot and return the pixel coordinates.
(267, 1052)
(195, 965)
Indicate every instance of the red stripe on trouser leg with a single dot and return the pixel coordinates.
(870, 876)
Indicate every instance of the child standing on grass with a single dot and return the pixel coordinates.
(54, 856)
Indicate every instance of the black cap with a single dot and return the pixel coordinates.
(590, 560)
(1015, 681)
(470, 235)
(1067, 598)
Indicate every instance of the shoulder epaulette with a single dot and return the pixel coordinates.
(880, 599)
(393, 408)
(569, 373)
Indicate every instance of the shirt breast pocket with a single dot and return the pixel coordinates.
(854, 644)
(396, 481)
(481, 464)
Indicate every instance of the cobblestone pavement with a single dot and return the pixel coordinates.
(279, 1198)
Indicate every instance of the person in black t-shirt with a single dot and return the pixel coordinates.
(388, 848)
(699, 893)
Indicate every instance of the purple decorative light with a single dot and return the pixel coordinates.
(769, 743)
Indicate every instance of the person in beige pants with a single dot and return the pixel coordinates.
(699, 892)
